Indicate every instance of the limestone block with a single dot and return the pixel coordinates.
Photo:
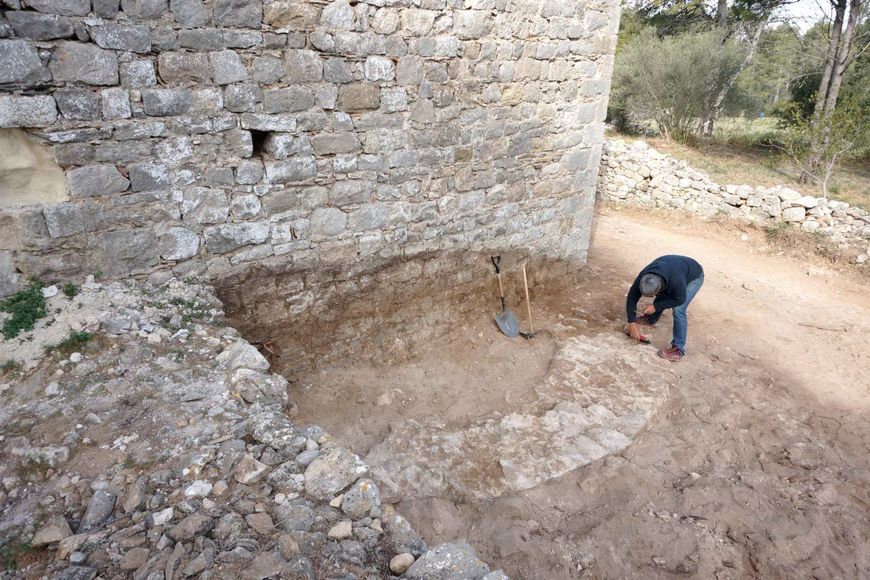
(789, 195)
(267, 69)
(39, 26)
(358, 97)
(145, 9)
(19, 63)
(385, 21)
(166, 102)
(149, 176)
(250, 171)
(178, 243)
(370, 217)
(417, 22)
(227, 67)
(379, 68)
(794, 214)
(245, 206)
(328, 221)
(224, 238)
(474, 24)
(448, 561)
(242, 98)
(238, 13)
(285, 145)
(115, 103)
(336, 70)
(138, 74)
(302, 66)
(298, 169)
(62, 7)
(94, 180)
(291, 15)
(66, 219)
(135, 38)
(189, 13)
(337, 15)
(77, 62)
(78, 104)
(106, 8)
(807, 201)
(203, 205)
(287, 100)
(333, 143)
(263, 122)
(121, 252)
(183, 67)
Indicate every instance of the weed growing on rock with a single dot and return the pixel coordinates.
(11, 552)
(10, 366)
(75, 341)
(26, 307)
(70, 290)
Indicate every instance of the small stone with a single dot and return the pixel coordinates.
(261, 523)
(39, 111)
(50, 291)
(341, 531)
(332, 472)
(163, 517)
(448, 561)
(266, 565)
(198, 489)
(99, 510)
(196, 524)
(360, 499)
(400, 563)
(55, 530)
(358, 97)
(201, 563)
(250, 470)
(220, 488)
(288, 546)
(134, 559)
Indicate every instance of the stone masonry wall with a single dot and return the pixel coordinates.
(638, 174)
(208, 135)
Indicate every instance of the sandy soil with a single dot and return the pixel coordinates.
(758, 466)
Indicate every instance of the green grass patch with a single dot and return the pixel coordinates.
(11, 552)
(26, 307)
(10, 366)
(70, 290)
(190, 310)
(74, 342)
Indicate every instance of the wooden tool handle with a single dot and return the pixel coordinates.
(528, 303)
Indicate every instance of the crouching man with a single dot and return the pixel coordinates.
(674, 281)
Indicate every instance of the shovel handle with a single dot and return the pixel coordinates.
(528, 303)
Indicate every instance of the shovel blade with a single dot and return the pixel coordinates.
(508, 323)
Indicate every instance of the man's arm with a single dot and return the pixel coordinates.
(631, 301)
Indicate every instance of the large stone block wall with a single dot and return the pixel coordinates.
(206, 136)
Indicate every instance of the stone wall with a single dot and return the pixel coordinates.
(638, 174)
(208, 135)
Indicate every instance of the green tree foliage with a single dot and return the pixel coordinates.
(669, 79)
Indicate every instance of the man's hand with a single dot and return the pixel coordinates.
(634, 330)
(650, 309)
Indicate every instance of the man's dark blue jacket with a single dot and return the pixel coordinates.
(677, 272)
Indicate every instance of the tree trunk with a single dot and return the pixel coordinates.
(842, 60)
(716, 107)
(831, 58)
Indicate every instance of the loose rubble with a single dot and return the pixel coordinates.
(637, 174)
(153, 458)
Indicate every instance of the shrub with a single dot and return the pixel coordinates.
(26, 307)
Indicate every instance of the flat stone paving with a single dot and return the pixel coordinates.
(598, 395)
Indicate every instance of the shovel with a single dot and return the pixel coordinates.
(506, 320)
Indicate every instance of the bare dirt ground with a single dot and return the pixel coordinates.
(757, 466)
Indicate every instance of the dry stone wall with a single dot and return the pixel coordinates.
(638, 174)
(208, 135)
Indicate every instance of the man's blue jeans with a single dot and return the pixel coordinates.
(681, 323)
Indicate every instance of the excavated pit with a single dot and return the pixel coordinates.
(404, 365)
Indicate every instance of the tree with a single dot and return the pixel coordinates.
(670, 79)
(840, 55)
(817, 145)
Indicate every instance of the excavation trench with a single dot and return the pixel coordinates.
(404, 364)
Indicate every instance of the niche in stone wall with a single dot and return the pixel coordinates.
(28, 173)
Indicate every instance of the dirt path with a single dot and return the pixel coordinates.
(759, 466)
